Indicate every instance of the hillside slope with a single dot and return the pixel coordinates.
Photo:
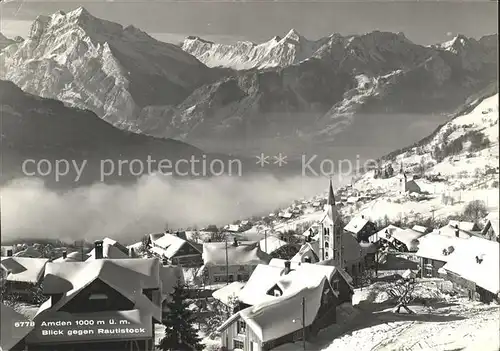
(456, 164)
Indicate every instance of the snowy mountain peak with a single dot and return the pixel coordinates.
(100, 65)
(293, 35)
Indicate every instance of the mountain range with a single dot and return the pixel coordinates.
(35, 128)
(339, 92)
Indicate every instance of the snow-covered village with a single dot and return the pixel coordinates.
(402, 253)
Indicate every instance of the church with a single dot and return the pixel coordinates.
(406, 183)
(330, 245)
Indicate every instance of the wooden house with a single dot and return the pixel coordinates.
(176, 249)
(282, 304)
(22, 276)
(103, 304)
(229, 262)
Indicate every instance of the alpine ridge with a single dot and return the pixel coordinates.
(334, 91)
(92, 63)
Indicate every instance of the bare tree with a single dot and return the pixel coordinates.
(475, 210)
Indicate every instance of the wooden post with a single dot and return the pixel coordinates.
(227, 265)
(304, 323)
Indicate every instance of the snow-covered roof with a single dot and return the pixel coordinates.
(301, 276)
(11, 335)
(127, 276)
(170, 244)
(408, 237)
(283, 315)
(493, 220)
(28, 252)
(110, 249)
(24, 269)
(467, 226)
(419, 228)
(356, 224)
(449, 230)
(226, 293)
(329, 271)
(271, 244)
(477, 260)
(386, 233)
(308, 250)
(75, 256)
(438, 247)
(245, 253)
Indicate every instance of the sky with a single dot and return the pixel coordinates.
(424, 22)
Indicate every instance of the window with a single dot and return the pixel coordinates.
(336, 285)
(243, 277)
(237, 344)
(241, 327)
(98, 297)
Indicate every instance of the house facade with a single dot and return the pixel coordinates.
(175, 249)
(230, 262)
(104, 304)
(22, 277)
(280, 304)
(361, 228)
(474, 268)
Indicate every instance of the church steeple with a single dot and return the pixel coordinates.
(331, 196)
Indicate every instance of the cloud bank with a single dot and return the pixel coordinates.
(126, 213)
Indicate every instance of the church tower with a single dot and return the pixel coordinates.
(402, 180)
(330, 239)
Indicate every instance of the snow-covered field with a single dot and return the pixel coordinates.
(443, 323)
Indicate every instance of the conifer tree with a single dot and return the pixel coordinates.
(180, 335)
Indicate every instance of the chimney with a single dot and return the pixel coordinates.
(98, 249)
(131, 252)
(287, 267)
(65, 254)
(235, 242)
(457, 233)
(55, 298)
(9, 252)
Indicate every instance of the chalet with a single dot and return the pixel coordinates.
(108, 248)
(490, 229)
(383, 235)
(434, 251)
(108, 292)
(11, 335)
(474, 268)
(175, 249)
(273, 316)
(339, 279)
(403, 240)
(361, 228)
(22, 276)
(226, 262)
